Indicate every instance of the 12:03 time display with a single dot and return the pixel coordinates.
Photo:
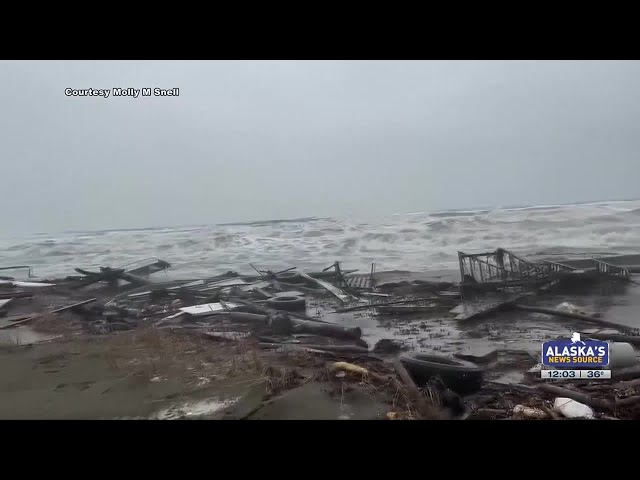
(570, 374)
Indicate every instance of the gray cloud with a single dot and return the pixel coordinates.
(249, 140)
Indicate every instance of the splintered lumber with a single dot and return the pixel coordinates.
(382, 304)
(18, 317)
(343, 297)
(57, 310)
(68, 307)
(326, 329)
(579, 316)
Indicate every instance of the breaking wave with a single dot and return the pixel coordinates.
(415, 241)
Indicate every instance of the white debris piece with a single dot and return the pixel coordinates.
(520, 411)
(572, 409)
(4, 303)
(26, 284)
(343, 297)
(538, 367)
(233, 282)
(208, 309)
(291, 293)
(568, 307)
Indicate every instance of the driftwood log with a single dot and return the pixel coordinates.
(4, 295)
(299, 325)
(578, 397)
(589, 400)
(326, 329)
(326, 348)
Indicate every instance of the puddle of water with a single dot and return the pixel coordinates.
(194, 409)
(24, 336)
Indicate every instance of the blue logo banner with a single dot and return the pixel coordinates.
(575, 353)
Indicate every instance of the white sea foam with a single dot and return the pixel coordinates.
(416, 241)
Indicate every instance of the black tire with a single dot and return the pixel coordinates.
(290, 277)
(287, 303)
(458, 375)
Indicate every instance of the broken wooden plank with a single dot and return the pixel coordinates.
(375, 294)
(16, 295)
(343, 297)
(68, 307)
(57, 310)
(382, 304)
(229, 282)
(326, 348)
(26, 284)
(18, 317)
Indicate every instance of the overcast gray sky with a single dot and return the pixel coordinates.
(251, 140)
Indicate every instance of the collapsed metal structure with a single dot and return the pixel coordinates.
(502, 269)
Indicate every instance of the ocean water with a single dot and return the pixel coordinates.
(419, 241)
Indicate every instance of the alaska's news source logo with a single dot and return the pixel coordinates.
(574, 352)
